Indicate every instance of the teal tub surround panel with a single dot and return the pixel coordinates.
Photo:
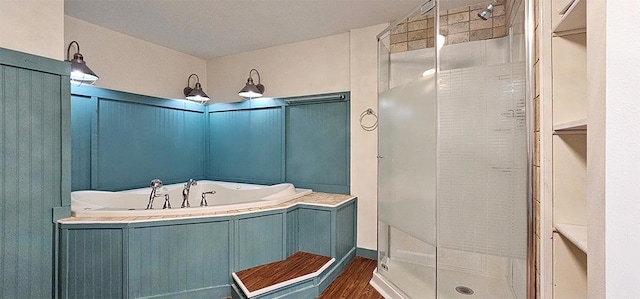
(345, 229)
(260, 240)
(175, 259)
(317, 145)
(83, 110)
(34, 170)
(134, 139)
(187, 258)
(246, 145)
(314, 231)
(90, 250)
(292, 232)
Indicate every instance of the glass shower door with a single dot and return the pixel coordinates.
(407, 159)
(482, 152)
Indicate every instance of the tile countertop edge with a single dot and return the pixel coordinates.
(329, 200)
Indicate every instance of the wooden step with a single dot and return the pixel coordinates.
(269, 277)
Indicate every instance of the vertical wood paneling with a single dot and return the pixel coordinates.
(3, 169)
(246, 145)
(317, 146)
(345, 229)
(137, 143)
(314, 232)
(30, 172)
(260, 240)
(292, 232)
(171, 259)
(94, 264)
(83, 110)
(10, 168)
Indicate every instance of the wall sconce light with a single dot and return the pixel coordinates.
(80, 72)
(195, 94)
(250, 90)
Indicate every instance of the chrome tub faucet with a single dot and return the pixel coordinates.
(185, 192)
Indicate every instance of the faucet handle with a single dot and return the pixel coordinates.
(192, 182)
(156, 183)
(167, 203)
(203, 201)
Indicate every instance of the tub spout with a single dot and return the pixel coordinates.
(185, 193)
(203, 202)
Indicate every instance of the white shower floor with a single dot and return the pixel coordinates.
(417, 282)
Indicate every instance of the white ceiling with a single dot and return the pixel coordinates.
(212, 28)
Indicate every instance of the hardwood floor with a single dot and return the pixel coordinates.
(353, 282)
(299, 264)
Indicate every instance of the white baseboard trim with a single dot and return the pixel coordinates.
(378, 283)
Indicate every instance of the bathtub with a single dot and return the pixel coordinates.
(227, 196)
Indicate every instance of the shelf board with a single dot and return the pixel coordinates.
(571, 127)
(566, 7)
(574, 20)
(577, 234)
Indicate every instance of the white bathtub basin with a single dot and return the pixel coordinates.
(228, 196)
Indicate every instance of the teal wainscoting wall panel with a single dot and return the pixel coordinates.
(246, 145)
(136, 138)
(176, 259)
(260, 240)
(34, 170)
(345, 229)
(168, 145)
(292, 232)
(95, 257)
(83, 110)
(317, 145)
(314, 231)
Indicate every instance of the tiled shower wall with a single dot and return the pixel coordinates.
(457, 25)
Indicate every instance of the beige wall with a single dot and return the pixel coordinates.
(342, 62)
(364, 144)
(310, 67)
(129, 64)
(33, 26)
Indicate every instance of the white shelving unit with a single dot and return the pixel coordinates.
(569, 143)
(574, 18)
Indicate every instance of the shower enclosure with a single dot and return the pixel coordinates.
(454, 192)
